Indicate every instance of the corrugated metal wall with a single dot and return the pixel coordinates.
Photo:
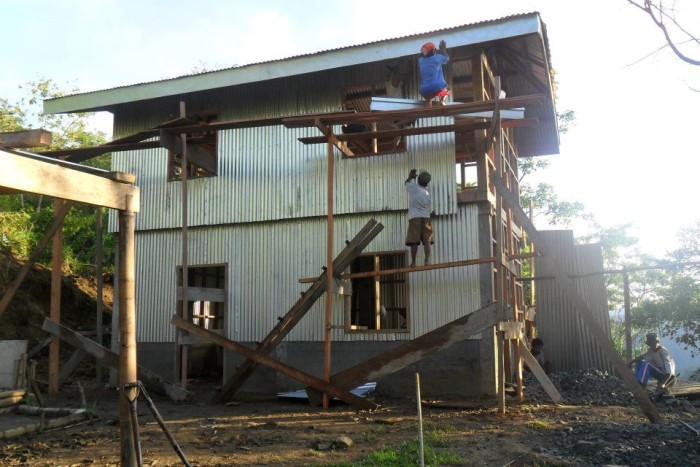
(266, 260)
(568, 344)
(265, 174)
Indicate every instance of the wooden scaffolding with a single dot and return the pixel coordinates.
(504, 229)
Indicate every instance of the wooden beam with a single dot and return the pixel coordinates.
(55, 305)
(203, 294)
(83, 154)
(353, 248)
(459, 126)
(413, 351)
(57, 223)
(71, 365)
(539, 373)
(426, 112)
(195, 153)
(580, 305)
(276, 365)
(33, 176)
(26, 138)
(392, 103)
(128, 371)
(108, 358)
(387, 272)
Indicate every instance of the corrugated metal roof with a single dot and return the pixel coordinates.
(484, 31)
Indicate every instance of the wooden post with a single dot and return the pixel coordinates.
(127, 331)
(183, 350)
(499, 289)
(114, 341)
(582, 309)
(55, 310)
(628, 314)
(329, 271)
(99, 280)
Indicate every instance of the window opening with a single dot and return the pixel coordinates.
(206, 294)
(467, 176)
(202, 158)
(378, 303)
(206, 306)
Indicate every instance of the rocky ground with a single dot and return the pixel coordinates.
(600, 424)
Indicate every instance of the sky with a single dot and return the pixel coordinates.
(631, 156)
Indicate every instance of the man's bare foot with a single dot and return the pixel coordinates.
(427, 262)
(412, 265)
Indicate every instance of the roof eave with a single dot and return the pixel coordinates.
(376, 51)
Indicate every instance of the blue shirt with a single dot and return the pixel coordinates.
(432, 79)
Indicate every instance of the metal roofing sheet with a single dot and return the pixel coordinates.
(484, 31)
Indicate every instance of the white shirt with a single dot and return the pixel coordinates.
(661, 359)
(418, 200)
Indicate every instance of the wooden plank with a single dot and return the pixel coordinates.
(580, 306)
(26, 267)
(276, 365)
(459, 126)
(425, 112)
(55, 305)
(71, 365)
(413, 351)
(26, 138)
(46, 424)
(388, 272)
(298, 311)
(539, 373)
(83, 154)
(203, 294)
(108, 358)
(33, 176)
(195, 153)
(393, 103)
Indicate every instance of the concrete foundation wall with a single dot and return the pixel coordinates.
(455, 372)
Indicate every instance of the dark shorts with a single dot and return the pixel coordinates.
(420, 230)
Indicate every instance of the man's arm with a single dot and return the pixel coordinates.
(411, 175)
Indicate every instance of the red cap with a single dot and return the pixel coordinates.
(427, 47)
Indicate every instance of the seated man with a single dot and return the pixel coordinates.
(656, 363)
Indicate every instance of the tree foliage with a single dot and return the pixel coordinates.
(545, 202)
(24, 217)
(670, 302)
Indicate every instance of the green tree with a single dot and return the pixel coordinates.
(24, 218)
(672, 302)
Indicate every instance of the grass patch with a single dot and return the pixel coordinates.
(539, 424)
(408, 453)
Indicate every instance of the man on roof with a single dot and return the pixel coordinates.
(430, 62)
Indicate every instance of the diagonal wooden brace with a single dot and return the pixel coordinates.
(106, 357)
(300, 308)
(274, 364)
(412, 351)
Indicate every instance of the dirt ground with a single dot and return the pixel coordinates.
(277, 432)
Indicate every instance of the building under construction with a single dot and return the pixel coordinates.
(259, 182)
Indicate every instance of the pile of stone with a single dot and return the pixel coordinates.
(582, 387)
